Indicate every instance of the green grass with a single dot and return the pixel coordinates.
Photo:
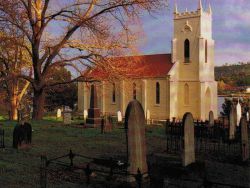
(51, 138)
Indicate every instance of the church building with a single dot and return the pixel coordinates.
(169, 85)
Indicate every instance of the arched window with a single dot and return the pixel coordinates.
(186, 94)
(157, 93)
(206, 51)
(187, 51)
(134, 91)
(113, 93)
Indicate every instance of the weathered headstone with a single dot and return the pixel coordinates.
(247, 114)
(67, 118)
(239, 113)
(211, 119)
(188, 148)
(135, 125)
(232, 125)
(119, 116)
(244, 139)
(148, 117)
(94, 118)
(59, 113)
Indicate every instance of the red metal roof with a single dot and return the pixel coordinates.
(144, 66)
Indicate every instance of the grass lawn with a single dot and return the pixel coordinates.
(51, 138)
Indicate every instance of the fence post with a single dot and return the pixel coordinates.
(88, 172)
(71, 157)
(43, 172)
(138, 178)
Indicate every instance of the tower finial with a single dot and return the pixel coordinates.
(200, 5)
(175, 8)
(209, 9)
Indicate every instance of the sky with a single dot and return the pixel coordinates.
(231, 29)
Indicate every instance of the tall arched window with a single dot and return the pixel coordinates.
(187, 51)
(186, 94)
(134, 91)
(157, 93)
(206, 51)
(113, 93)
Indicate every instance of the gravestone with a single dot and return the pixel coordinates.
(244, 139)
(238, 111)
(119, 116)
(247, 116)
(59, 113)
(211, 119)
(94, 118)
(188, 148)
(85, 115)
(232, 125)
(148, 117)
(66, 117)
(135, 126)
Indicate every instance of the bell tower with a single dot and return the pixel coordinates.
(193, 54)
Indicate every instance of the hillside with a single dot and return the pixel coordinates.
(233, 77)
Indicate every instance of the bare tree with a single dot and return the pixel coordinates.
(13, 60)
(74, 34)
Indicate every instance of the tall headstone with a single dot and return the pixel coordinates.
(239, 113)
(244, 139)
(59, 113)
(188, 148)
(135, 125)
(247, 114)
(232, 125)
(94, 118)
(119, 116)
(211, 119)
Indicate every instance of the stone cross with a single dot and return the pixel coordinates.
(59, 113)
(119, 116)
(211, 119)
(244, 139)
(135, 125)
(232, 125)
(188, 148)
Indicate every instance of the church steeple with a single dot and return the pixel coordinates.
(200, 8)
(209, 9)
(175, 8)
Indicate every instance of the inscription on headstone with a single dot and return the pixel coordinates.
(188, 148)
(135, 125)
(244, 139)
(67, 118)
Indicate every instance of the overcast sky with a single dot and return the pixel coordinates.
(231, 29)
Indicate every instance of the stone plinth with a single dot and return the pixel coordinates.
(94, 119)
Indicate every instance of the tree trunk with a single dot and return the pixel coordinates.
(13, 100)
(38, 104)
